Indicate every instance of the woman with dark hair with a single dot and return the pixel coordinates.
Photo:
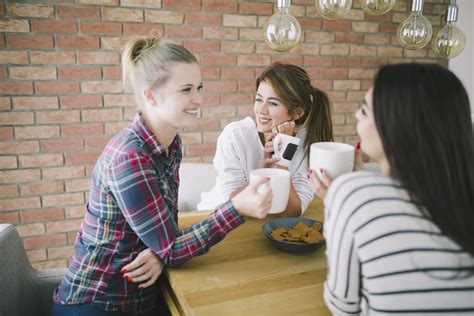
(285, 102)
(401, 241)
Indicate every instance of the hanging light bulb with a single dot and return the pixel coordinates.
(333, 9)
(415, 31)
(282, 31)
(449, 42)
(377, 7)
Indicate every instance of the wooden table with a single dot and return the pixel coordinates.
(246, 275)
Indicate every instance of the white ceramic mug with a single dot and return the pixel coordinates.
(287, 150)
(279, 183)
(334, 158)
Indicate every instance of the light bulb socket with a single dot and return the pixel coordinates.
(452, 14)
(284, 4)
(417, 6)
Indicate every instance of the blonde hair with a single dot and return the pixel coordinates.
(146, 63)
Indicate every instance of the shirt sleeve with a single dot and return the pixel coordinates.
(133, 182)
(228, 163)
(302, 186)
(342, 286)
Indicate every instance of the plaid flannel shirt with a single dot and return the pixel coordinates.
(133, 206)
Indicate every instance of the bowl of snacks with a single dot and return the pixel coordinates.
(294, 234)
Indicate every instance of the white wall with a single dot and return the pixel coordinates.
(463, 65)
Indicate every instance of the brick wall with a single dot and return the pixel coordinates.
(62, 98)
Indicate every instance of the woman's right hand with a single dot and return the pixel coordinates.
(252, 202)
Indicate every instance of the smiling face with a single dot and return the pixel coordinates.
(177, 102)
(370, 141)
(269, 110)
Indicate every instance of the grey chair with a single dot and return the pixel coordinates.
(24, 290)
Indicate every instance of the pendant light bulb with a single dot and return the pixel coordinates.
(450, 40)
(415, 31)
(333, 9)
(377, 7)
(282, 31)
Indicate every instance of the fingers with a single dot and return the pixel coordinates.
(287, 128)
(137, 262)
(358, 163)
(318, 185)
(151, 281)
(325, 178)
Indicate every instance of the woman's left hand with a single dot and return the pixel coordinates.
(320, 185)
(146, 267)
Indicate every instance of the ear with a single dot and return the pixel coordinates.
(298, 114)
(150, 97)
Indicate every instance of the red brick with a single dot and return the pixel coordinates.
(388, 28)
(345, 85)
(77, 42)
(8, 191)
(29, 41)
(349, 38)
(96, 143)
(221, 86)
(211, 99)
(250, 34)
(30, 10)
(17, 26)
(36, 132)
(62, 199)
(82, 158)
(75, 212)
(114, 127)
(30, 229)
(113, 43)
(56, 26)
(14, 57)
(238, 47)
(246, 86)
(201, 150)
(7, 88)
(292, 59)
(8, 162)
(236, 20)
(63, 226)
(238, 73)
(78, 12)
(253, 60)
(227, 33)
(209, 73)
(218, 60)
(41, 188)
(9, 217)
(55, 87)
(62, 145)
(62, 116)
(119, 100)
(191, 138)
(53, 57)
(89, 58)
(192, 5)
(19, 147)
(6, 133)
(219, 111)
(155, 4)
(52, 264)
(60, 252)
(32, 73)
(75, 72)
(211, 137)
(310, 24)
(35, 103)
(5, 103)
(97, 2)
(44, 241)
(219, 5)
(182, 31)
(45, 160)
(102, 115)
(343, 26)
(347, 61)
(19, 203)
(112, 72)
(237, 99)
(82, 101)
(77, 185)
(36, 255)
(334, 49)
(319, 61)
(209, 124)
(333, 73)
(101, 28)
(319, 37)
(203, 18)
(164, 17)
(389, 51)
(256, 8)
(135, 29)
(16, 118)
(80, 130)
(104, 86)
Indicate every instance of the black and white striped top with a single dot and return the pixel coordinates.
(386, 258)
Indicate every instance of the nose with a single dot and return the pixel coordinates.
(197, 98)
(262, 107)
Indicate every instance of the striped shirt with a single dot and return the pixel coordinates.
(386, 257)
(133, 206)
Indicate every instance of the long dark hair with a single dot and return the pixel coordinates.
(422, 114)
(293, 87)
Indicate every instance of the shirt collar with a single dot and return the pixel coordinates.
(150, 138)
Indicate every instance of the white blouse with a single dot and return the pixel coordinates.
(239, 151)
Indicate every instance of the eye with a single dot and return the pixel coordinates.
(362, 109)
(200, 88)
(258, 99)
(187, 90)
(273, 103)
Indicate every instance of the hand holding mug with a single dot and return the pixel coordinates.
(255, 199)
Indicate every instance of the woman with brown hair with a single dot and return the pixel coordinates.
(287, 103)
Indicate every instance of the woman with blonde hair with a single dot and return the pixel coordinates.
(132, 209)
(285, 102)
